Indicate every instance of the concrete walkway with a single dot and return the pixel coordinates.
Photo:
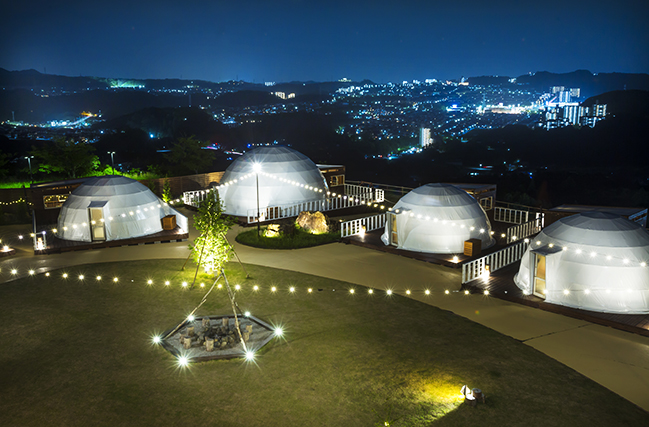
(617, 360)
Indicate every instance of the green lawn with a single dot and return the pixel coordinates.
(79, 353)
(299, 239)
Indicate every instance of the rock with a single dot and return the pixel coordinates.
(272, 230)
(315, 222)
(190, 331)
(187, 343)
(209, 344)
(225, 322)
(249, 329)
(206, 322)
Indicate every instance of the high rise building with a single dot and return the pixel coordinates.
(575, 92)
(424, 137)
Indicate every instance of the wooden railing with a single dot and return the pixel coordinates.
(526, 229)
(475, 269)
(194, 198)
(368, 223)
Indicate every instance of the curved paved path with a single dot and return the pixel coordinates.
(618, 360)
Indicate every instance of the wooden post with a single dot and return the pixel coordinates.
(209, 344)
(187, 343)
(190, 331)
(225, 322)
(246, 336)
(249, 329)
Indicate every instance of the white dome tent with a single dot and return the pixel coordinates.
(286, 177)
(593, 261)
(113, 208)
(437, 218)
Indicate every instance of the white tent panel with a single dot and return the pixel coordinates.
(601, 265)
(129, 209)
(438, 218)
(285, 176)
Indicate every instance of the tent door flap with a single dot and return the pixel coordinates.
(97, 226)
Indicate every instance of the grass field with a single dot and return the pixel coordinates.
(79, 352)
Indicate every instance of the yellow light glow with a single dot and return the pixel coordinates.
(351, 291)
(202, 285)
(427, 292)
(389, 292)
(273, 289)
(65, 275)
(149, 282)
(237, 287)
(81, 277)
(466, 292)
(167, 283)
(31, 272)
(255, 288)
(47, 274)
(310, 290)
(98, 278)
(370, 291)
(486, 292)
(407, 291)
(566, 292)
(446, 292)
(291, 289)
(115, 279)
(184, 284)
(14, 271)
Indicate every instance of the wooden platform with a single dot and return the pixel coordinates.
(56, 245)
(501, 285)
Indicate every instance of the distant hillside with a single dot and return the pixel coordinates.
(631, 103)
(590, 84)
(32, 79)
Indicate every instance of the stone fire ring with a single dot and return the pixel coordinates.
(261, 334)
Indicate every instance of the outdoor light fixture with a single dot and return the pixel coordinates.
(184, 284)
(31, 272)
(191, 318)
(98, 278)
(115, 279)
(202, 285)
(446, 292)
(408, 292)
(370, 291)
(247, 314)
(486, 292)
(183, 361)
(427, 292)
(14, 271)
(167, 283)
(273, 289)
(279, 332)
(65, 275)
(456, 259)
(309, 290)
(351, 291)
(156, 339)
(256, 167)
(237, 287)
(466, 292)
(149, 282)
(250, 355)
(47, 274)
(255, 288)
(291, 289)
(5, 248)
(81, 277)
(389, 292)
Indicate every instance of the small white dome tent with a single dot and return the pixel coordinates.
(437, 218)
(113, 208)
(286, 177)
(593, 261)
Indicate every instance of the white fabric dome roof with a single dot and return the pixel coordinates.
(594, 261)
(438, 218)
(284, 179)
(129, 210)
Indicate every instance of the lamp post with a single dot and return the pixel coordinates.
(29, 161)
(257, 168)
(112, 160)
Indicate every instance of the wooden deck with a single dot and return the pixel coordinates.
(501, 285)
(372, 240)
(56, 245)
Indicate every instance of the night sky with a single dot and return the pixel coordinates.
(284, 40)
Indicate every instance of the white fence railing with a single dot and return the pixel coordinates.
(355, 226)
(521, 231)
(329, 204)
(194, 198)
(512, 216)
(473, 270)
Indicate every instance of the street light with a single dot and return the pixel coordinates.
(112, 160)
(257, 168)
(29, 160)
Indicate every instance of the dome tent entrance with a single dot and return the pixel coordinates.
(113, 208)
(286, 177)
(437, 218)
(593, 261)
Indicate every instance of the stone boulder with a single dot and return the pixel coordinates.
(315, 222)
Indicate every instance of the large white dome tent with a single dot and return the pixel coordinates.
(437, 218)
(593, 261)
(286, 177)
(113, 208)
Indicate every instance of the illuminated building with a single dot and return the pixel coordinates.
(424, 137)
